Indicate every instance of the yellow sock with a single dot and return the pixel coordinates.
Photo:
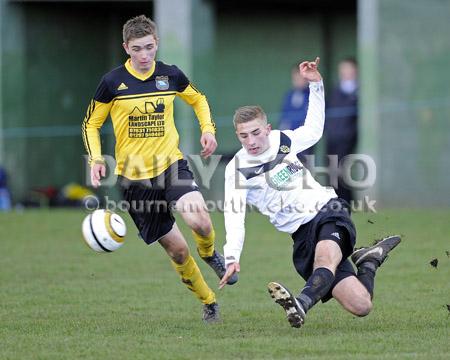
(205, 244)
(192, 277)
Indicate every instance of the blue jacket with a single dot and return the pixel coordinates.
(295, 107)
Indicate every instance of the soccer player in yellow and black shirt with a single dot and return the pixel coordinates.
(139, 97)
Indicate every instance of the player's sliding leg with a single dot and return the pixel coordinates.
(327, 257)
(185, 265)
(192, 208)
(355, 293)
(369, 259)
(283, 297)
(353, 296)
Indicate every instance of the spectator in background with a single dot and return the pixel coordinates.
(341, 127)
(295, 104)
(5, 196)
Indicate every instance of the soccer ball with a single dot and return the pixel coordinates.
(104, 231)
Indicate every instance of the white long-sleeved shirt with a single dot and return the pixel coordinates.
(276, 182)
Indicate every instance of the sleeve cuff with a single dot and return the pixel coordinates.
(231, 257)
(96, 160)
(209, 129)
(316, 85)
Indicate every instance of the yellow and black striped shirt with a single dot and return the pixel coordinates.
(141, 109)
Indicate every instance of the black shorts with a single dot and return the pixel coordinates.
(151, 201)
(332, 222)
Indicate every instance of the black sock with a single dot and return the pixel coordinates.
(366, 274)
(317, 286)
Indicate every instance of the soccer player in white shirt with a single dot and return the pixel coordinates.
(268, 174)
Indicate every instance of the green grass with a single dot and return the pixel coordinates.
(60, 300)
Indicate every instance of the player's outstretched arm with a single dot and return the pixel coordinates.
(310, 133)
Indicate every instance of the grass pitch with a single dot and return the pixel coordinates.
(60, 300)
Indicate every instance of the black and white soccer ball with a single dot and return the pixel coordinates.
(104, 231)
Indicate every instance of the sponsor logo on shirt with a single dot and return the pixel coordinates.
(147, 120)
(285, 175)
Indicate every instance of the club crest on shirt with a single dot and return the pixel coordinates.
(284, 149)
(162, 82)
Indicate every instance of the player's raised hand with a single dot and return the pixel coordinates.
(209, 144)
(97, 172)
(231, 269)
(309, 70)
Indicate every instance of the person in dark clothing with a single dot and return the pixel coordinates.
(341, 127)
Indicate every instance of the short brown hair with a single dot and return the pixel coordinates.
(138, 27)
(248, 113)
